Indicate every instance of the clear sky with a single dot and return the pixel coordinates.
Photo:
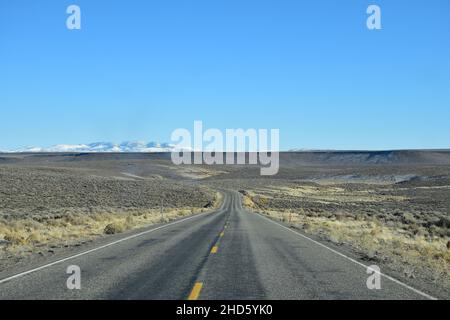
(137, 70)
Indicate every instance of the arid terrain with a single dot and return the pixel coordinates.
(390, 208)
(49, 202)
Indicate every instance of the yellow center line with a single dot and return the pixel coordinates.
(222, 234)
(195, 293)
(214, 249)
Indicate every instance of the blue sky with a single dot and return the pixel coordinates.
(137, 70)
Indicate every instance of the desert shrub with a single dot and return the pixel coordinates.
(261, 201)
(114, 228)
(129, 220)
(34, 237)
(439, 232)
(444, 222)
(408, 218)
(286, 217)
(77, 220)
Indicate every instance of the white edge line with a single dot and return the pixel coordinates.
(351, 259)
(103, 247)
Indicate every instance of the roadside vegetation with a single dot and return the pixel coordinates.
(412, 242)
(24, 236)
(42, 208)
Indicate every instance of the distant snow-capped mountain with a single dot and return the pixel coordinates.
(127, 146)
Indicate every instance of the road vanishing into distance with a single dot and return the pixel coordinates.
(224, 255)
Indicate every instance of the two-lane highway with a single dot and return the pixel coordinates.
(228, 254)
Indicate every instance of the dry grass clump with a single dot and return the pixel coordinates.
(250, 200)
(247, 202)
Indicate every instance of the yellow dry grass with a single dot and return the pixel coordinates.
(27, 234)
(374, 238)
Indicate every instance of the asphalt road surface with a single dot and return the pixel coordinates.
(228, 254)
